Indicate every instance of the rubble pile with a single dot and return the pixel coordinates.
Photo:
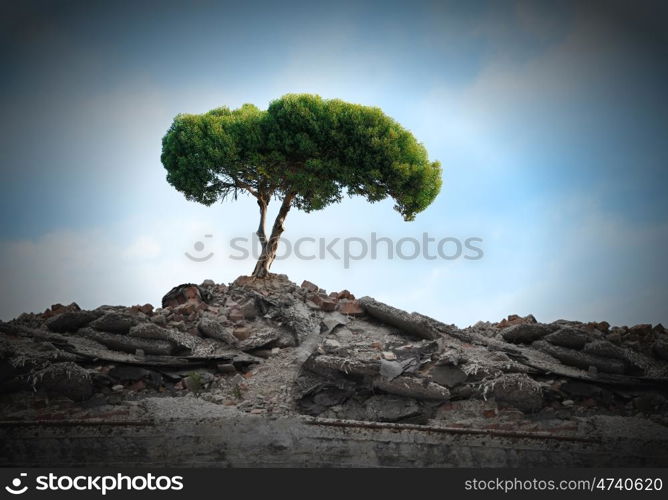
(270, 347)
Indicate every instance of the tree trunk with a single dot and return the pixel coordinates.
(261, 235)
(270, 247)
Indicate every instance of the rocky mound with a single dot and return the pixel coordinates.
(272, 347)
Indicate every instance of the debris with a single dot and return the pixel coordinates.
(518, 390)
(448, 376)
(126, 373)
(66, 379)
(390, 369)
(383, 408)
(188, 293)
(70, 321)
(226, 368)
(331, 321)
(114, 322)
(580, 359)
(568, 337)
(514, 319)
(155, 332)
(525, 333)
(249, 310)
(311, 287)
(126, 343)
(241, 333)
(411, 324)
(412, 387)
(215, 330)
(259, 346)
(350, 307)
(661, 348)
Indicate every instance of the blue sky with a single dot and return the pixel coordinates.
(550, 122)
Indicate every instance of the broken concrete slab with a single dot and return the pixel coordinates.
(391, 369)
(412, 324)
(337, 366)
(125, 373)
(184, 294)
(154, 332)
(525, 333)
(568, 337)
(326, 364)
(580, 359)
(519, 391)
(634, 361)
(66, 379)
(125, 343)
(331, 321)
(114, 322)
(214, 329)
(660, 348)
(447, 375)
(383, 408)
(70, 321)
(412, 387)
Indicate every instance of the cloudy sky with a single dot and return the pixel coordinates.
(550, 122)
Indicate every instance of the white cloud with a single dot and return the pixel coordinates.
(144, 247)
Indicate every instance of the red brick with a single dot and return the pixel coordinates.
(351, 308)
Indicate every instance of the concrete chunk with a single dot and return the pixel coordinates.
(412, 324)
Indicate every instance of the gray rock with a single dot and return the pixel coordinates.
(128, 373)
(226, 368)
(580, 359)
(66, 379)
(114, 322)
(125, 343)
(390, 369)
(448, 376)
(583, 389)
(605, 349)
(330, 396)
(519, 391)
(215, 330)
(159, 319)
(661, 349)
(263, 338)
(186, 292)
(412, 387)
(382, 408)
(249, 309)
(568, 337)
(155, 332)
(331, 345)
(525, 333)
(633, 360)
(328, 365)
(412, 324)
(70, 321)
(650, 402)
(331, 321)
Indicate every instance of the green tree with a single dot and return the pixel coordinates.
(303, 151)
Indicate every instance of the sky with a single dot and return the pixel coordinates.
(550, 120)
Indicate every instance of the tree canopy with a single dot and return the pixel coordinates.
(307, 151)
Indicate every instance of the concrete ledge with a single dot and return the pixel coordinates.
(236, 439)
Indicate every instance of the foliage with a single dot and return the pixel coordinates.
(303, 148)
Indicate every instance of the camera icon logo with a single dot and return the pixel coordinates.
(199, 247)
(15, 488)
